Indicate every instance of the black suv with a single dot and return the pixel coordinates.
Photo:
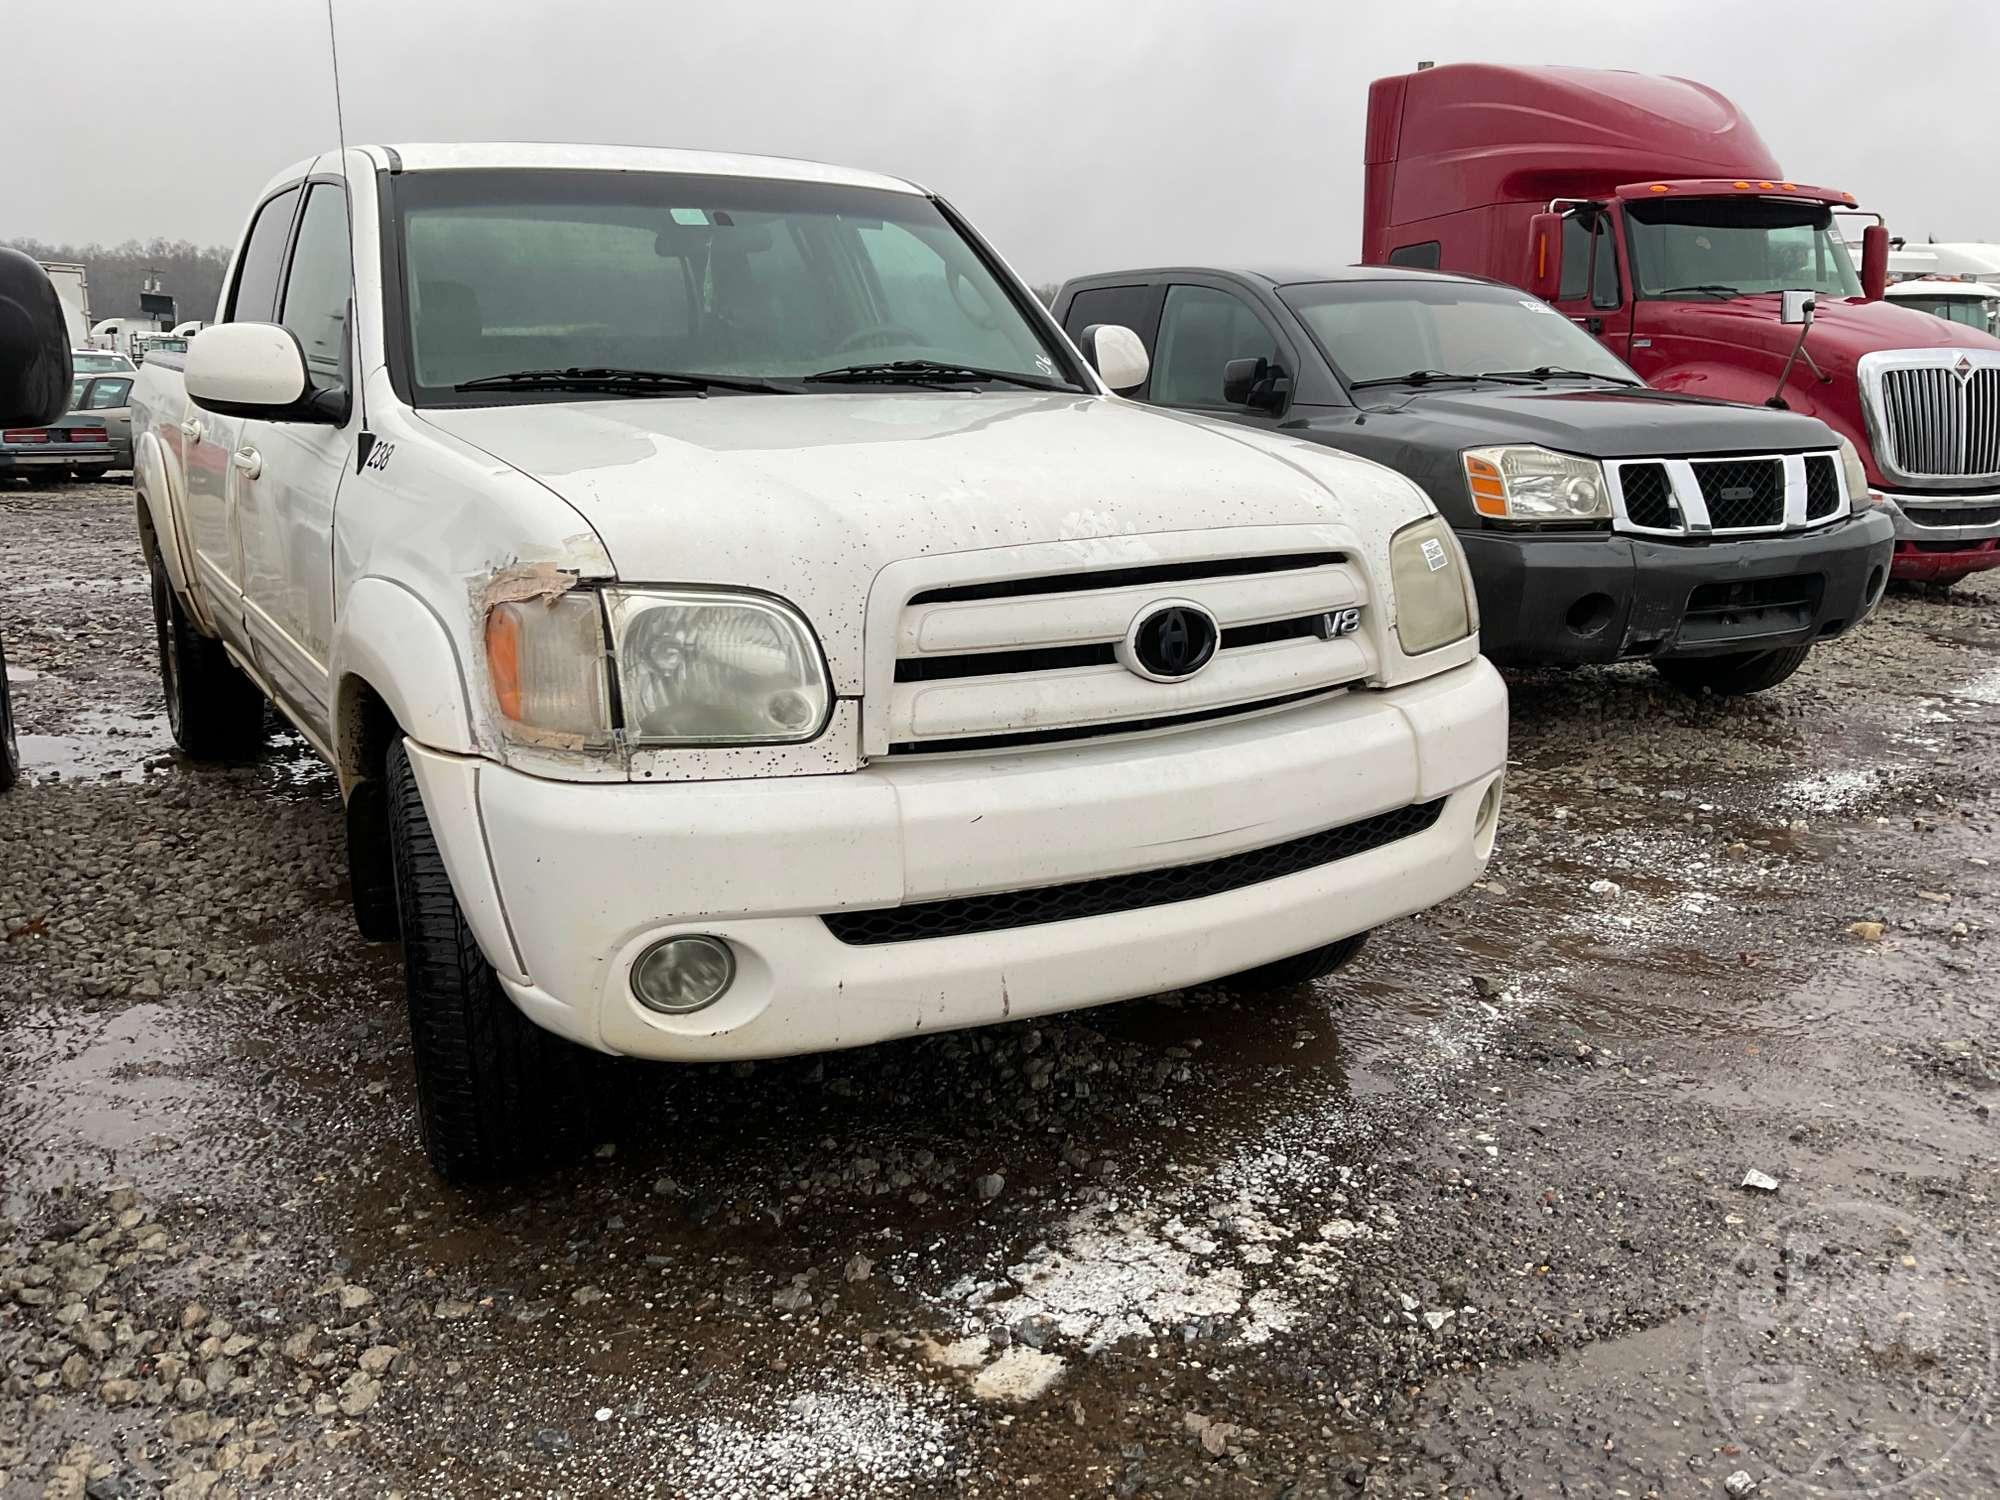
(1603, 520)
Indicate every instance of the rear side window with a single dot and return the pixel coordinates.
(316, 291)
(1127, 306)
(105, 394)
(255, 298)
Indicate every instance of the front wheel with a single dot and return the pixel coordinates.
(1733, 675)
(1300, 968)
(214, 711)
(495, 1092)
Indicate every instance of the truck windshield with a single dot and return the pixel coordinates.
(553, 271)
(1387, 330)
(1709, 247)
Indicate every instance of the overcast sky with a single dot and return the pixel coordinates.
(1080, 135)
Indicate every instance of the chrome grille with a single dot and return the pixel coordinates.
(1940, 423)
(1743, 493)
(1750, 493)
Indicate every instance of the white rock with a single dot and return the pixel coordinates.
(1762, 1182)
(1019, 1374)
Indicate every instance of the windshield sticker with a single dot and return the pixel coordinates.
(1536, 304)
(1434, 553)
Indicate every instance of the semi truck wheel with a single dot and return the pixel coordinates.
(214, 711)
(1301, 968)
(10, 750)
(495, 1092)
(1733, 675)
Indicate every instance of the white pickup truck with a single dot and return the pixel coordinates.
(744, 624)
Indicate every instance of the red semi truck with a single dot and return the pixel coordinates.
(1649, 210)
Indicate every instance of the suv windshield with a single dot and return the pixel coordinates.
(550, 271)
(1385, 330)
(1695, 247)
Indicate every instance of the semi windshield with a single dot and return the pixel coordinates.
(507, 271)
(1696, 247)
(1382, 330)
(1973, 312)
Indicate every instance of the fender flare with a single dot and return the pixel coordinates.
(152, 477)
(395, 644)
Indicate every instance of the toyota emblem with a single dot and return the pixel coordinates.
(1170, 641)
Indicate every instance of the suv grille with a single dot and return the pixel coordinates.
(1822, 487)
(959, 916)
(1649, 497)
(1941, 424)
(1743, 492)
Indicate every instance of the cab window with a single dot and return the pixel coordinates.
(1589, 261)
(256, 292)
(1201, 330)
(316, 291)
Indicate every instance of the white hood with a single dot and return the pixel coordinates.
(809, 496)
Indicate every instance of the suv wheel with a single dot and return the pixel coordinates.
(215, 712)
(1301, 968)
(1733, 675)
(495, 1092)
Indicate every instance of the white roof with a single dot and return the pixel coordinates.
(563, 156)
(1938, 286)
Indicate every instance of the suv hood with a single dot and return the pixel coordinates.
(809, 496)
(1597, 423)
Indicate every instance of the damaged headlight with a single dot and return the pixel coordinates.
(545, 658)
(1433, 598)
(703, 668)
(1536, 485)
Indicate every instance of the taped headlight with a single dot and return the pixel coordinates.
(1433, 607)
(700, 668)
(1536, 486)
(545, 660)
(1858, 492)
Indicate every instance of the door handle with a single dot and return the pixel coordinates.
(248, 461)
(191, 430)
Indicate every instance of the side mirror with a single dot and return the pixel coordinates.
(1796, 308)
(1543, 275)
(1255, 383)
(1874, 261)
(35, 365)
(1118, 355)
(252, 370)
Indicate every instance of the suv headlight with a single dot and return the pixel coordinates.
(1536, 486)
(1858, 492)
(702, 668)
(1433, 602)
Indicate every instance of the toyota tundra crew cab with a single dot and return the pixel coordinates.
(744, 624)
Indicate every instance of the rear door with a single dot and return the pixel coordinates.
(287, 473)
(209, 439)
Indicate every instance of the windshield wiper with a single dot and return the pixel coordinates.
(930, 372)
(614, 378)
(1431, 377)
(1550, 372)
(1705, 288)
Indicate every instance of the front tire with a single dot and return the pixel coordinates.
(214, 711)
(1733, 675)
(495, 1092)
(1301, 968)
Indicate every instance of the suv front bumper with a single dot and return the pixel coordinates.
(566, 884)
(1603, 597)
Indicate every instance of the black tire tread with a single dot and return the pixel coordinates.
(1300, 968)
(1735, 674)
(10, 754)
(496, 1093)
(221, 712)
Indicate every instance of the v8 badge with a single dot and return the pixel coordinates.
(1336, 623)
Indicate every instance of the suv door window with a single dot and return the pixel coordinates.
(257, 270)
(1201, 330)
(316, 291)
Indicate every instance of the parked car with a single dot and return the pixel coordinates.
(744, 625)
(1651, 212)
(1976, 304)
(1603, 521)
(100, 362)
(76, 446)
(104, 400)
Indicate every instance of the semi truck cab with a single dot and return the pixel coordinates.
(1650, 212)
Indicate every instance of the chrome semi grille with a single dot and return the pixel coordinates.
(1040, 658)
(1750, 494)
(1936, 413)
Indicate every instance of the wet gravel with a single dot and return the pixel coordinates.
(1468, 1220)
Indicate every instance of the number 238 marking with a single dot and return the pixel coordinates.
(379, 456)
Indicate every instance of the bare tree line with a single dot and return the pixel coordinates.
(190, 273)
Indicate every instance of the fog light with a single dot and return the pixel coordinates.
(681, 974)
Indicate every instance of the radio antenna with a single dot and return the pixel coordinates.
(365, 440)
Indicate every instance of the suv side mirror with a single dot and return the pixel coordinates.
(1796, 308)
(1256, 383)
(1543, 275)
(1874, 261)
(1117, 354)
(257, 370)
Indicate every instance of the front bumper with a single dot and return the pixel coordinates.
(565, 884)
(1940, 538)
(1598, 597)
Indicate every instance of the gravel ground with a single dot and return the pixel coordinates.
(1470, 1220)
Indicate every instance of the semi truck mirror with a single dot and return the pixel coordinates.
(35, 365)
(1796, 308)
(1543, 276)
(1874, 262)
